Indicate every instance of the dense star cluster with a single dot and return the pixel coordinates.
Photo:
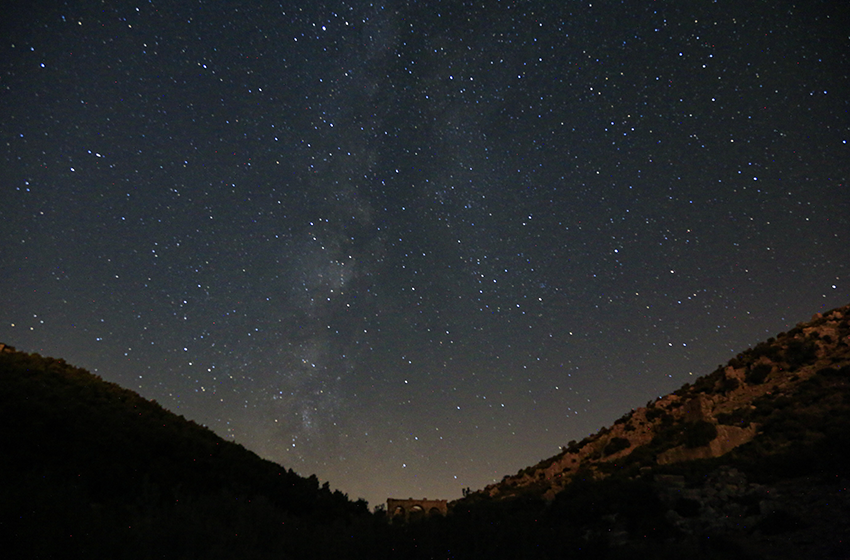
(413, 247)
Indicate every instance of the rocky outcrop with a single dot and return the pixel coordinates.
(728, 438)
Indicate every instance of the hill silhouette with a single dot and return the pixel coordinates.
(94, 470)
(749, 461)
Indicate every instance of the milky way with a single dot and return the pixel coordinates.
(412, 248)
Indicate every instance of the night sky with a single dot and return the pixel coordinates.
(413, 247)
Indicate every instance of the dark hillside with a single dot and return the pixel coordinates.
(94, 470)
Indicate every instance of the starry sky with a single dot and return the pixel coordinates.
(412, 247)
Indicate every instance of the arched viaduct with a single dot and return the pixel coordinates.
(410, 509)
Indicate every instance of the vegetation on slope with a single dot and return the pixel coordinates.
(94, 470)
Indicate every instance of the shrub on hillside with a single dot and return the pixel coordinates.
(699, 433)
(655, 413)
(708, 384)
(767, 349)
(729, 384)
(757, 374)
(833, 372)
(800, 352)
(739, 417)
(616, 444)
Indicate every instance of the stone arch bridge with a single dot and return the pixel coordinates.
(410, 509)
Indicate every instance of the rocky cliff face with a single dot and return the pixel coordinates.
(718, 413)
